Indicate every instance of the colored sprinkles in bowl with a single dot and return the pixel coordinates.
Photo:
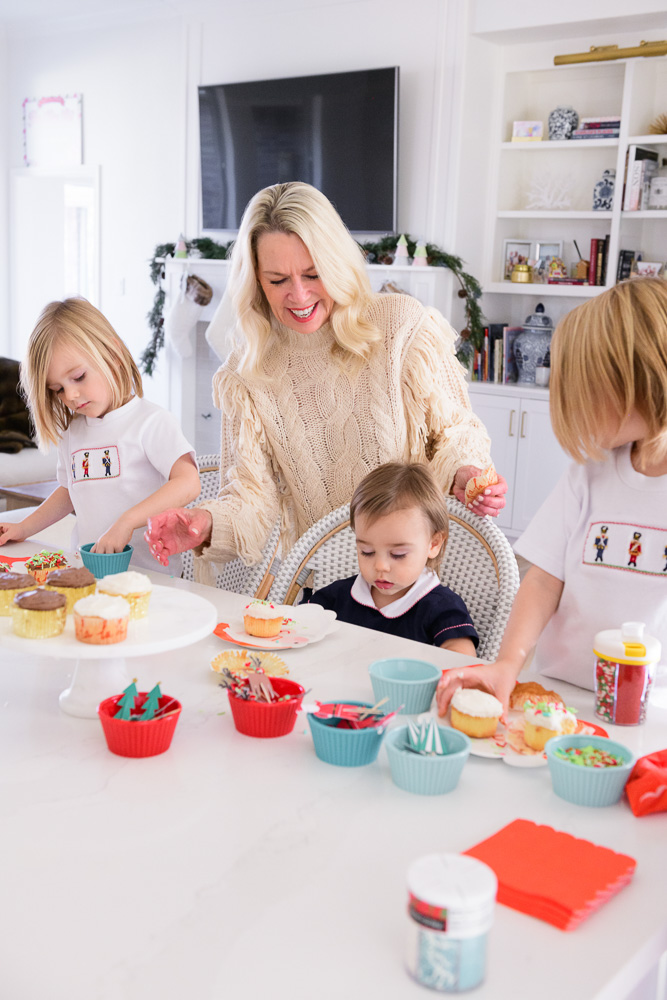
(588, 757)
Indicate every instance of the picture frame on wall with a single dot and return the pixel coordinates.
(516, 251)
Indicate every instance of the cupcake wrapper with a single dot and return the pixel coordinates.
(72, 594)
(99, 631)
(138, 602)
(38, 624)
(7, 600)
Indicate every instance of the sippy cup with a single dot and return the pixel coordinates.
(626, 661)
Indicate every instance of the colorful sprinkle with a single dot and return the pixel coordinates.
(588, 757)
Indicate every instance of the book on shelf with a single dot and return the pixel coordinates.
(568, 281)
(634, 174)
(510, 372)
(600, 121)
(593, 260)
(596, 133)
(625, 261)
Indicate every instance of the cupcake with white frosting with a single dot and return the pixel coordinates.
(135, 588)
(263, 618)
(100, 619)
(545, 720)
(475, 713)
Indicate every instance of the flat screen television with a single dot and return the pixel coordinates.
(336, 131)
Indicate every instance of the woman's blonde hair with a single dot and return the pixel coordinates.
(77, 324)
(609, 357)
(300, 210)
(398, 486)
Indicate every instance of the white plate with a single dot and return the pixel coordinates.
(309, 623)
(509, 746)
(175, 618)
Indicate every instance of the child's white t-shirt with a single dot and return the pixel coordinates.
(111, 463)
(584, 534)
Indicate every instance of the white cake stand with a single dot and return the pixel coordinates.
(175, 618)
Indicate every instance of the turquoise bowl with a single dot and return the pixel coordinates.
(588, 786)
(105, 563)
(423, 775)
(407, 683)
(345, 747)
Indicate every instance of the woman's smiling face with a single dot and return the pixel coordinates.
(290, 281)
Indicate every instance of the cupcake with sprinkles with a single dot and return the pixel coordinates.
(545, 720)
(263, 618)
(42, 563)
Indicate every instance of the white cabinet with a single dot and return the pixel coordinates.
(524, 448)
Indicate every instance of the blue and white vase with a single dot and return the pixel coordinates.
(603, 192)
(562, 123)
(532, 346)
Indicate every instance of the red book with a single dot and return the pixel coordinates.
(593, 263)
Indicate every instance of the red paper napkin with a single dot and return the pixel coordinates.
(647, 785)
(552, 875)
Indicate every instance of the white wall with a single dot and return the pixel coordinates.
(4, 196)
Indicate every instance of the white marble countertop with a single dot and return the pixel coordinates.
(242, 868)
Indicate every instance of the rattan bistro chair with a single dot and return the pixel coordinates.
(234, 575)
(479, 565)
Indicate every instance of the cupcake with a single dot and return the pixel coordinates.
(73, 583)
(545, 720)
(475, 713)
(532, 692)
(477, 484)
(39, 614)
(263, 618)
(12, 584)
(42, 563)
(134, 587)
(100, 619)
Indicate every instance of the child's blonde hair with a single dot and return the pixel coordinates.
(398, 486)
(609, 357)
(78, 324)
(301, 210)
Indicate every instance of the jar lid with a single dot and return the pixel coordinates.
(452, 881)
(627, 644)
(521, 267)
(539, 320)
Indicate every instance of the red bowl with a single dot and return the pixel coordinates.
(268, 719)
(138, 739)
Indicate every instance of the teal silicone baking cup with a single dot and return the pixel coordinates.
(427, 775)
(409, 684)
(345, 747)
(588, 786)
(105, 563)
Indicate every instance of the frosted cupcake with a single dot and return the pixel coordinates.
(475, 713)
(545, 720)
(263, 618)
(73, 583)
(39, 614)
(12, 584)
(134, 587)
(100, 619)
(42, 563)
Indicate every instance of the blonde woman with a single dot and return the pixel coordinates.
(598, 544)
(326, 382)
(121, 458)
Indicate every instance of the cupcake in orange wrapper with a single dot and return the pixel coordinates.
(39, 614)
(545, 720)
(12, 584)
(42, 563)
(263, 618)
(73, 583)
(475, 713)
(477, 484)
(134, 587)
(101, 620)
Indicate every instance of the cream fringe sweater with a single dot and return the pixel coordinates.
(294, 446)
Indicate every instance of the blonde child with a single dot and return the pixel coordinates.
(121, 458)
(399, 517)
(597, 544)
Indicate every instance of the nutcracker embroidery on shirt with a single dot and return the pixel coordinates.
(601, 542)
(639, 549)
(95, 464)
(635, 549)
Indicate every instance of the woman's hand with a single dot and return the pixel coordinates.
(177, 530)
(497, 678)
(492, 499)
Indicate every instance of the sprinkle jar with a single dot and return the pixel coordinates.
(450, 912)
(624, 668)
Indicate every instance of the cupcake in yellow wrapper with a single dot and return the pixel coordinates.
(543, 721)
(134, 587)
(12, 584)
(263, 618)
(73, 583)
(39, 613)
(475, 713)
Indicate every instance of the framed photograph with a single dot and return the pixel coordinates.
(514, 252)
(551, 249)
(52, 131)
(527, 131)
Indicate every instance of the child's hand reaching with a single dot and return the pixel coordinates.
(113, 540)
(497, 678)
(10, 532)
(177, 530)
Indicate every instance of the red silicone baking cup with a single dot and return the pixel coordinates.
(264, 719)
(138, 739)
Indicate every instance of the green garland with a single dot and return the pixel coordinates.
(381, 252)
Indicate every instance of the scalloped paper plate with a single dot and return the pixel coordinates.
(310, 623)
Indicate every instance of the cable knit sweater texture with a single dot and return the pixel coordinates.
(295, 446)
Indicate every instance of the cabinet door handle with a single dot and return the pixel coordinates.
(523, 422)
(206, 416)
(511, 432)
